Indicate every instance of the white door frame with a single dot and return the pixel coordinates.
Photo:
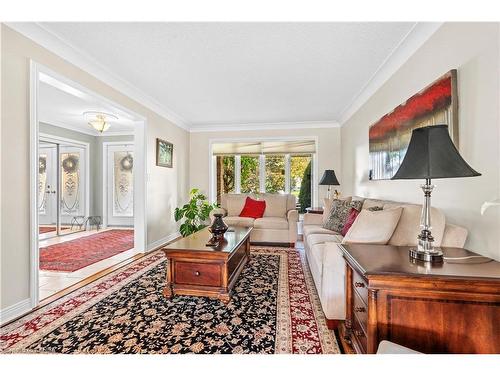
(104, 162)
(140, 165)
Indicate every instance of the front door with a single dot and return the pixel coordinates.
(47, 183)
(120, 185)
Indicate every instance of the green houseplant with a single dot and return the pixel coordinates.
(195, 213)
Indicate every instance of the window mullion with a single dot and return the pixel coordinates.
(237, 173)
(262, 173)
(287, 174)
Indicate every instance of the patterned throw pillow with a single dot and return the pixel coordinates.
(339, 214)
(375, 208)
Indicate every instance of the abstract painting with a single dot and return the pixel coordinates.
(164, 153)
(389, 137)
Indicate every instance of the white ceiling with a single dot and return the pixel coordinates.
(240, 73)
(63, 105)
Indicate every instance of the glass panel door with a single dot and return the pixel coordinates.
(72, 189)
(120, 185)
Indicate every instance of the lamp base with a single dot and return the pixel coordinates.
(435, 256)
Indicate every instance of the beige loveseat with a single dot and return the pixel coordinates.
(325, 258)
(279, 224)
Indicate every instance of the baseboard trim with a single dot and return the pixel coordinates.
(15, 311)
(162, 241)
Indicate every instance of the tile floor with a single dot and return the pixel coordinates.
(51, 282)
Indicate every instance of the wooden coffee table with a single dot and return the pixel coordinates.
(195, 269)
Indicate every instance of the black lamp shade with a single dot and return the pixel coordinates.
(432, 154)
(329, 178)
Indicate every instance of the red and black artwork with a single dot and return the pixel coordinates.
(389, 137)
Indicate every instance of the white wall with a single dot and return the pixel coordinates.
(328, 152)
(166, 187)
(473, 49)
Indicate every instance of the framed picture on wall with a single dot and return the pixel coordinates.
(389, 137)
(164, 153)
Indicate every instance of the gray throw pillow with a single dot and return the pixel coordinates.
(339, 214)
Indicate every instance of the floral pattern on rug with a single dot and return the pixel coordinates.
(274, 309)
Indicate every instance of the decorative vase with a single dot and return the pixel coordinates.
(218, 228)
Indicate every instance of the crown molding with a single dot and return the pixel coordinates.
(410, 43)
(82, 60)
(201, 128)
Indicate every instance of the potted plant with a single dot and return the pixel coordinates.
(195, 213)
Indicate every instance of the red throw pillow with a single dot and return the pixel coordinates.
(350, 220)
(253, 208)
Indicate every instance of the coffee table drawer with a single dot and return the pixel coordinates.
(208, 274)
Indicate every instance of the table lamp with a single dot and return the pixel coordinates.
(431, 154)
(330, 179)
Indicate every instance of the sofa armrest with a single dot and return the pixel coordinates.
(292, 216)
(454, 236)
(219, 210)
(313, 219)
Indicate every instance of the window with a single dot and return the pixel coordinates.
(275, 173)
(300, 179)
(249, 174)
(225, 175)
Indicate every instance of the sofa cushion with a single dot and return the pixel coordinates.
(314, 239)
(368, 203)
(329, 204)
(253, 208)
(409, 226)
(239, 221)
(275, 204)
(350, 221)
(374, 227)
(315, 260)
(234, 203)
(339, 214)
(271, 223)
(307, 230)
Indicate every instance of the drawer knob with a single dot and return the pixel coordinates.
(359, 285)
(197, 273)
(359, 309)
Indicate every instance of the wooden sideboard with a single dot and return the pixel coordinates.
(453, 307)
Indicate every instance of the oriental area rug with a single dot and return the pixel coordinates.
(72, 255)
(274, 309)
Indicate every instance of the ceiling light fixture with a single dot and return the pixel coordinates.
(99, 120)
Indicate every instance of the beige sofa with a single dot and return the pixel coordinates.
(325, 258)
(279, 224)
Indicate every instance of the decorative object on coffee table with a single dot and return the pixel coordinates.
(431, 154)
(330, 179)
(218, 228)
(164, 153)
(197, 270)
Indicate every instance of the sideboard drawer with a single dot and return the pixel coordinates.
(359, 335)
(197, 273)
(359, 285)
(360, 311)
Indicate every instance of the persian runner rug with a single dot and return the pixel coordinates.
(274, 309)
(72, 255)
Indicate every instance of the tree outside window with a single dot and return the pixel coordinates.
(249, 174)
(225, 175)
(275, 173)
